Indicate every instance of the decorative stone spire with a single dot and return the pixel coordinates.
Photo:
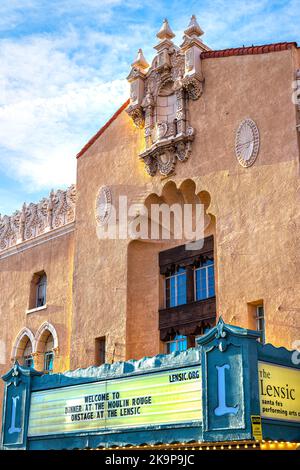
(193, 29)
(165, 31)
(140, 61)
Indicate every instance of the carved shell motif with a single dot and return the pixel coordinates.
(103, 205)
(247, 142)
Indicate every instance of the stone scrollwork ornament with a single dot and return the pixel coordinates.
(160, 96)
(137, 115)
(193, 87)
(162, 128)
(150, 165)
(166, 161)
(183, 151)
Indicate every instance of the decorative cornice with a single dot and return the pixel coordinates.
(165, 31)
(35, 220)
(46, 237)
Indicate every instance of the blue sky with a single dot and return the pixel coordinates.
(64, 65)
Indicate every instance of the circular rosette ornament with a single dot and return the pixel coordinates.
(103, 205)
(166, 161)
(247, 143)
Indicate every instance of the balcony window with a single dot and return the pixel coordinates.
(179, 343)
(187, 300)
(175, 288)
(205, 280)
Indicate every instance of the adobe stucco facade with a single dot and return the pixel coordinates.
(113, 288)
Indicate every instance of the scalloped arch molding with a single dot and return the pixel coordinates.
(34, 339)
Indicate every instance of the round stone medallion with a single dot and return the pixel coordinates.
(166, 162)
(247, 142)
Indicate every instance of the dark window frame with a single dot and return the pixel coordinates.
(187, 319)
(100, 350)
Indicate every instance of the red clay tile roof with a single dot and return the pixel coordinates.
(103, 128)
(281, 46)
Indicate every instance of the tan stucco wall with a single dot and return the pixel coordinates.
(55, 257)
(256, 210)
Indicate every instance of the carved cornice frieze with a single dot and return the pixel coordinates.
(137, 115)
(36, 219)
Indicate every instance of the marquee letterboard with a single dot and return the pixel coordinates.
(144, 400)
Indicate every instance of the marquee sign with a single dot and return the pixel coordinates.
(228, 388)
(279, 389)
(153, 399)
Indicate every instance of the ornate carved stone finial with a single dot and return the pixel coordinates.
(140, 61)
(193, 28)
(165, 31)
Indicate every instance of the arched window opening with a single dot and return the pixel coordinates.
(27, 355)
(49, 355)
(23, 347)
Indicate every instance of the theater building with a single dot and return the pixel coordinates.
(218, 129)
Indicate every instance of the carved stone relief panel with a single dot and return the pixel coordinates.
(173, 79)
(36, 219)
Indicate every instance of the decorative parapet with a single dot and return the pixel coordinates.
(160, 95)
(36, 219)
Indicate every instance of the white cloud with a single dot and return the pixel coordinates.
(48, 103)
